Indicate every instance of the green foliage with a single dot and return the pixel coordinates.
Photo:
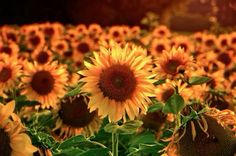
(75, 91)
(196, 80)
(174, 104)
(128, 127)
(156, 105)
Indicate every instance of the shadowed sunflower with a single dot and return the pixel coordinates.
(13, 140)
(45, 83)
(10, 71)
(118, 83)
(10, 49)
(174, 63)
(74, 118)
(158, 45)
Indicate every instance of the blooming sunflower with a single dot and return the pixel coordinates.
(44, 83)
(158, 45)
(10, 71)
(161, 32)
(60, 46)
(42, 56)
(118, 83)
(74, 118)
(13, 140)
(10, 49)
(174, 63)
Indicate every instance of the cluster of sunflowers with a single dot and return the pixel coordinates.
(63, 89)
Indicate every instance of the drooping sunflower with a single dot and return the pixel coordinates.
(44, 83)
(10, 71)
(174, 63)
(13, 139)
(118, 83)
(74, 118)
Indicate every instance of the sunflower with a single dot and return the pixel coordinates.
(80, 48)
(223, 41)
(35, 40)
(161, 32)
(82, 29)
(116, 33)
(232, 41)
(212, 134)
(118, 83)
(94, 30)
(166, 90)
(74, 118)
(174, 63)
(158, 45)
(60, 46)
(10, 34)
(10, 71)
(183, 42)
(45, 83)
(13, 139)
(227, 58)
(42, 56)
(11, 49)
(209, 41)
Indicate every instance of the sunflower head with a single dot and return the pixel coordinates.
(74, 118)
(118, 82)
(174, 63)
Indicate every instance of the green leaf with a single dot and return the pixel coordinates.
(196, 80)
(128, 127)
(95, 152)
(111, 127)
(155, 106)
(73, 141)
(76, 90)
(174, 104)
(22, 101)
(69, 152)
(146, 137)
(159, 82)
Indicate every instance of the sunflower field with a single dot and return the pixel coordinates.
(120, 90)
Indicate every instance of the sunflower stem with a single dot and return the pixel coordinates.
(115, 144)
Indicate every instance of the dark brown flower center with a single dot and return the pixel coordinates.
(67, 54)
(42, 57)
(75, 112)
(224, 42)
(60, 46)
(117, 82)
(233, 41)
(160, 48)
(5, 148)
(6, 50)
(49, 31)
(171, 66)
(224, 58)
(34, 40)
(5, 74)
(11, 36)
(198, 39)
(116, 34)
(83, 47)
(42, 82)
(209, 42)
(167, 94)
(183, 45)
